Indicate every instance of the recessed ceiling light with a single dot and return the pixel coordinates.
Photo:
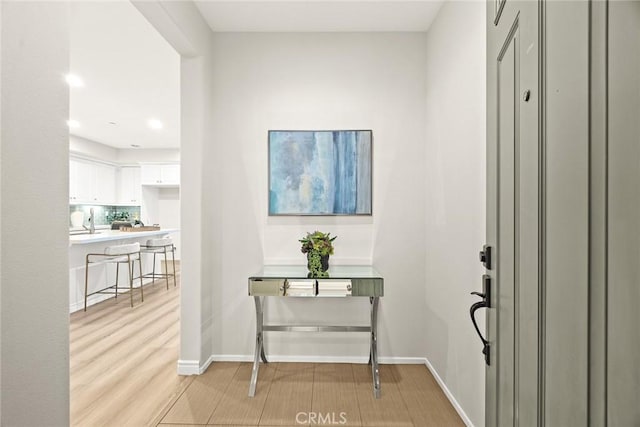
(135, 145)
(73, 124)
(155, 124)
(74, 81)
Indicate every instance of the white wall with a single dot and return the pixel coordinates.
(123, 156)
(1, 139)
(320, 81)
(169, 213)
(455, 212)
(183, 27)
(34, 189)
(132, 156)
(149, 213)
(162, 206)
(93, 149)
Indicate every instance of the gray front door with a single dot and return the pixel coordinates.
(563, 213)
(513, 205)
(622, 291)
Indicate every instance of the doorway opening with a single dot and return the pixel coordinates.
(124, 189)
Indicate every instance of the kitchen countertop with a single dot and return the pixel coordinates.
(109, 235)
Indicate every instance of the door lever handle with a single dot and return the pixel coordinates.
(485, 303)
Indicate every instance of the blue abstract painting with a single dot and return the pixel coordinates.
(320, 172)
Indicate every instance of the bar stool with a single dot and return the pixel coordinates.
(118, 254)
(158, 247)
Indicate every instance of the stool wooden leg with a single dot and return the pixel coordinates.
(117, 274)
(130, 269)
(173, 257)
(166, 267)
(153, 270)
(86, 281)
(140, 269)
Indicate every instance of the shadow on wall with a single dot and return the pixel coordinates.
(242, 255)
(437, 337)
(398, 250)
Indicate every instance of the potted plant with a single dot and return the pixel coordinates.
(318, 246)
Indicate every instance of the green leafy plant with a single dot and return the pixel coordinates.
(314, 264)
(318, 246)
(318, 242)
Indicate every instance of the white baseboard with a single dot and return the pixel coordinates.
(401, 360)
(448, 393)
(96, 298)
(91, 300)
(188, 367)
(193, 367)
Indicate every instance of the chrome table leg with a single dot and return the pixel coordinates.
(259, 350)
(374, 347)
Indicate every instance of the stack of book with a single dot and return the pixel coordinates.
(334, 288)
(301, 288)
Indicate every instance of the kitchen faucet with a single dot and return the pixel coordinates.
(92, 225)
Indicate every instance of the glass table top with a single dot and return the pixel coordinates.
(301, 272)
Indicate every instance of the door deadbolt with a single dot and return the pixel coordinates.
(526, 96)
(485, 256)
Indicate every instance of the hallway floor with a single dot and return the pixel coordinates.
(294, 394)
(123, 372)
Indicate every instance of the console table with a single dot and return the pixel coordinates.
(292, 282)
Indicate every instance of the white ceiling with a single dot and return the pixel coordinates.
(319, 16)
(130, 73)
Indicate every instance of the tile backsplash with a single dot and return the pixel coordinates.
(105, 215)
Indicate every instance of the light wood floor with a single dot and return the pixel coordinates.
(123, 372)
(123, 359)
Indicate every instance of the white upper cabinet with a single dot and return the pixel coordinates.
(129, 187)
(167, 175)
(91, 182)
(104, 184)
(73, 180)
(80, 181)
(170, 174)
(150, 174)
